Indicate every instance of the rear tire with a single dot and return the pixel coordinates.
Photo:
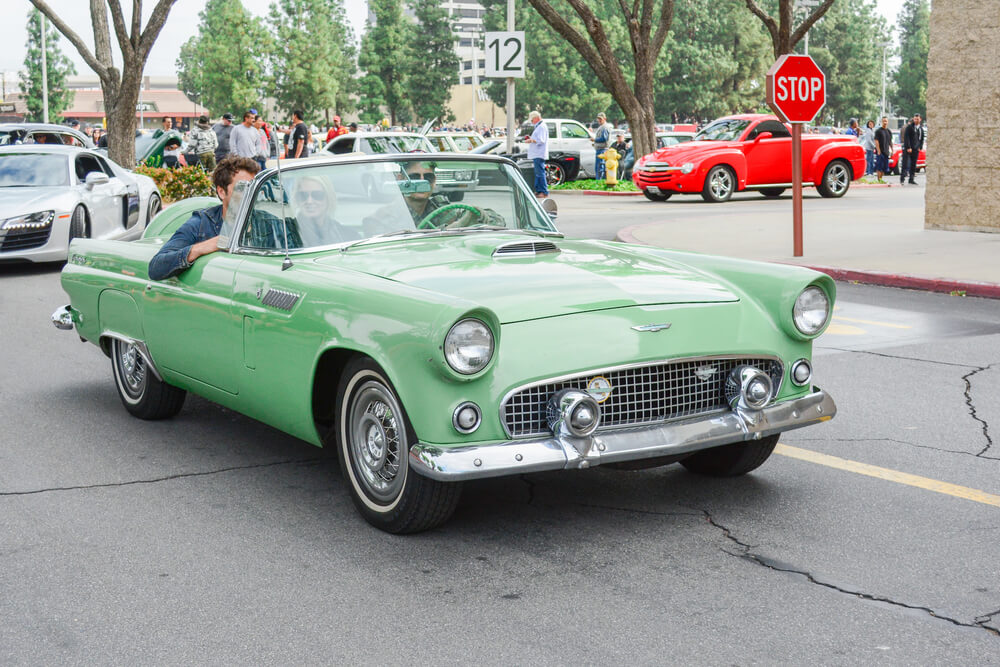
(142, 394)
(720, 183)
(836, 179)
(652, 196)
(731, 460)
(373, 438)
(771, 193)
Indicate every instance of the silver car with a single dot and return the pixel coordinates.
(50, 194)
(42, 133)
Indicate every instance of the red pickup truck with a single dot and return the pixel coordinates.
(748, 152)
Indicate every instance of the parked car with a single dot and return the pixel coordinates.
(663, 139)
(897, 152)
(52, 194)
(566, 136)
(562, 166)
(456, 142)
(149, 146)
(454, 184)
(42, 133)
(434, 343)
(748, 152)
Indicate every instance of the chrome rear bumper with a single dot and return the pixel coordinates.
(511, 457)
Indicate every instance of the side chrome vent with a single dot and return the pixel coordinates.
(280, 299)
(525, 248)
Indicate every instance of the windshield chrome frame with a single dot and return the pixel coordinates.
(244, 213)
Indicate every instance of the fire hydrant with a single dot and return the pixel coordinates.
(610, 157)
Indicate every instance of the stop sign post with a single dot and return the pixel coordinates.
(796, 91)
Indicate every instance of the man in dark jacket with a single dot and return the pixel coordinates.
(222, 130)
(913, 141)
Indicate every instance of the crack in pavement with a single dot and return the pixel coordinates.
(156, 480)
(987, 618)
(531, 488)
(974, 414)
(978, 623)
(899, 442)
(896, 356)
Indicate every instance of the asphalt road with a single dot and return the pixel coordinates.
(212, 539)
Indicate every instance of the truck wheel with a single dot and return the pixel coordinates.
(731, 460)
(142, 394)
(719, 184)
(771, 193)
(373, 444)
(836, 179)
(657, 196)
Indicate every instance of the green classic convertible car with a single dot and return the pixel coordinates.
(433, 342)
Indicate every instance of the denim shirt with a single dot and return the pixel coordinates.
(172, 257)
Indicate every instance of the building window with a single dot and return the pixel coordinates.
(467, 81)
(482, 64)
(465, 42)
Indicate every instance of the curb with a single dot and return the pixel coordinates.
(598, 193)
(881, 278)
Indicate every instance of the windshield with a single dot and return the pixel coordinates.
(346, 203)
(9, 136)
(466, 143)
(727, 129)
(33, 170)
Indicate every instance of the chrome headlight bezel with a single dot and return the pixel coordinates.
(461, 343)
(806, 310)
(687, 167)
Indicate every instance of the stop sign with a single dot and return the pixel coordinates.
(796, 88)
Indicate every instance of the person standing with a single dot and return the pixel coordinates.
(601, 139)
(299, 134)
(538, 152)
(913, 141)
(263, 145)
(203, 143)
(868, 143)
(883, 148)
(167, 125)
(244, 140)
(223, 129)
(336, 130)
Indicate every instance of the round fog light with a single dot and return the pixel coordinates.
(749, 387)
(573, 412)
(467, 418)
(583, 418)
(801, 372)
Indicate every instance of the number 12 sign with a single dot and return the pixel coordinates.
(505, 54)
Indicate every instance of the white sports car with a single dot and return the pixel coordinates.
(50, 194)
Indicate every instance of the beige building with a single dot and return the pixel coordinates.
(963, 112)
(471, 102)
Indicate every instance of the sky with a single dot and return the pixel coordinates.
(180, 26)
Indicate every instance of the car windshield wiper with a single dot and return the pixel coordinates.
(398, 232)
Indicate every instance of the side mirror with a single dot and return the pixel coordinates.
(763, 135)
(95, 178)
(550, 207)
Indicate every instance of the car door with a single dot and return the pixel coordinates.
(769, 160)
(102, 201)
(575, 138)
(127, 190)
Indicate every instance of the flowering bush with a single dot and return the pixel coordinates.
(182, 183)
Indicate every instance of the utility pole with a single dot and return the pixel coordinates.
(510, 85)
(45, 74)
(884, 46)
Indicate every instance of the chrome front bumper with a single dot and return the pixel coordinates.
(62, 318)
(511, 457)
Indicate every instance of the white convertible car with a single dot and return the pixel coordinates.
(50, 194)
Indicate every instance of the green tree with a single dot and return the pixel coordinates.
(222, 66)
(371, 92)
(314, 59)
(847, 45)
(57, 65)
(784, 34)
(911, 77)
(383, 55)
(433, 64)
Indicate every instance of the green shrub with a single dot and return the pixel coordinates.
(624, 185)
(177, 184)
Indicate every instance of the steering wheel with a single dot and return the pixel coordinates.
(463, 214)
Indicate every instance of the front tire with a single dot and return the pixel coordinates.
(373, 444)
(720, 183)
(731, 460)
(78, 224)
(654, 196)
(836, 179)
(142, 394)
(155, 206)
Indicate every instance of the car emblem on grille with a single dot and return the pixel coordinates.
(705, 373)
(652, 327)
(599, 388)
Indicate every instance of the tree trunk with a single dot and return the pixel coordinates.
(121, 119)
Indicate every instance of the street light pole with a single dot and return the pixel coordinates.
(884, 45)
(45, 74)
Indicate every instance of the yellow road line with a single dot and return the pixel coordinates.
(878, 324)
(926, 483)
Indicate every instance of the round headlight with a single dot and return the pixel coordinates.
(811, 311)
(687, 167)
(468, 347)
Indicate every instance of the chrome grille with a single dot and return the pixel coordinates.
(641, 394)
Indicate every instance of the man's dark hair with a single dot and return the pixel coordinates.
(297, 113)
(228, 167)
(247, 114)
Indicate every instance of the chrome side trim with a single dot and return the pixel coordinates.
(511, 457)
(624, 367)
(140, 347)
(62, 318)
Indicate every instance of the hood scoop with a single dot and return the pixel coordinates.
(525, 249)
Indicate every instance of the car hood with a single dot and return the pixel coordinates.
(580, 276)
(17, 201)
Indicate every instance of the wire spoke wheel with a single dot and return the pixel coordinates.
(377, 442)
(131, 369)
